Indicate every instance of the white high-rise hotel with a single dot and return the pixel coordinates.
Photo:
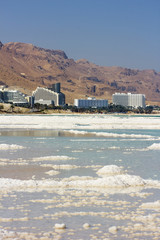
(129, 100)
(91, 102)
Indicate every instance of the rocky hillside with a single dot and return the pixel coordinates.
(24, 66)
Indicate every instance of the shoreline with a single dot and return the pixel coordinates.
(8, 109)
(76, 113)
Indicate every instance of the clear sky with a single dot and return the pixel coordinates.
(122, 33)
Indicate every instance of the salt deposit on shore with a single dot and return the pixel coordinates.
(52, 158)
(68, 177)
(152, 205)
(154, 146)
(108, 135)
(112, 178)
(10, 147)
(79, 122)
(110, 170)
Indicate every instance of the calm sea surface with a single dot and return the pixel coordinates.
(107, 178)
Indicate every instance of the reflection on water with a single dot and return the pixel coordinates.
(40, 133)
(32, 133)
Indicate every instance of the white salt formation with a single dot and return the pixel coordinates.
(79, 122)
(60, 226)
(122, 135)
(86, 225)
(82, 196)
(154, 146)
(10, 147)
(108, 135)
(60, 167)
(52, 172)
(52, 158)
(151, 205)
(113, 229)
(115, 179)
(110, 170)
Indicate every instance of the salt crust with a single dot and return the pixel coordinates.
(86, 225)
(119, 180)
(52, 158)
(6, 234)
(154, 146)
(75, 178)
(77, 151)
(114, 147)
(60, 226)
(52, 172)
(113, 229)
(151, 205)
(79, 122)
(10, 147)
(59, 167)
(145, 219)
(110, 170)
(105, 134)
(9, 162)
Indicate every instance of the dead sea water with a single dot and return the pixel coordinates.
(79, 177)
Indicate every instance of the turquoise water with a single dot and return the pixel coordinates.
(37, 211)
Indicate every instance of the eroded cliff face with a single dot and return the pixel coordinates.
(26, 66)
(1, 44)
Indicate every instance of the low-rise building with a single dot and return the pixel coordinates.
(12, 96)
(129, 100)
(90, 103)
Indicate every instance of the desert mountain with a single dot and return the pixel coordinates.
(24, 66)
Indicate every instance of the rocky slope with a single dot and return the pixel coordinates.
(24, 66)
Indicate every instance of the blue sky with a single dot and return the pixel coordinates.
(122, 33)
